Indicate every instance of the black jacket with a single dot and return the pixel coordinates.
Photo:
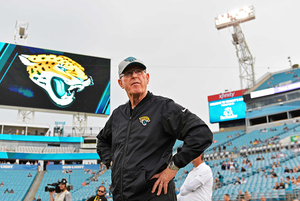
(98, 198)
(140, 143)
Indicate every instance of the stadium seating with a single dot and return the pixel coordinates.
(220, 139)
(257, 184)
(276, 79)
(32, 149)
(3, 148)
(18, 181)
(59, 150)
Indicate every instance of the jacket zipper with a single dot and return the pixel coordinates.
(123, 160)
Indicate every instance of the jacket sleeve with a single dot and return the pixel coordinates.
(104, 143)
(188, 127)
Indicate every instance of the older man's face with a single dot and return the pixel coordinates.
(134, 82)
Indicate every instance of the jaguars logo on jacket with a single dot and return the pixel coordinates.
(144, 120)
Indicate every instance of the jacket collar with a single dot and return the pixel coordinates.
(147, 97)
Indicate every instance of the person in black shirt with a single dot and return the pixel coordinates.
(100, 195)
(139, 136)
(276, 187)
(223, 166)
(286, 170)
(224, 148)
(237, 182)
(273, 175)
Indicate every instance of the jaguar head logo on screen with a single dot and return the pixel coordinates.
(58, 75)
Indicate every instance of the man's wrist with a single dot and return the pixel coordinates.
(173, 166)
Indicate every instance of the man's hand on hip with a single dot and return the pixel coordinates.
(163, 179)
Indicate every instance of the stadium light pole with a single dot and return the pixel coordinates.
(246, 61)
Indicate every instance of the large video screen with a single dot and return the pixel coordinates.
(227, 109)
(53, 80)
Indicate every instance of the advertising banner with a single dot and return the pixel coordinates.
(73, 167)
(227, 110)
(294, 138)
(52, 156)
(17, 167)
(40, 138)
(229, 94)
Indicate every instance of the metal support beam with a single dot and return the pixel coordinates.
(79, 124)
(246, 61)
(26, 116)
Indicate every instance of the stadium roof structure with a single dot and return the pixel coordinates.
(279, 81)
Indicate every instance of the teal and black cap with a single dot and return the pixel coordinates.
(128, 62)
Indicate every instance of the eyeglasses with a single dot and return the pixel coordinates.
(100, 191)
(129, 73)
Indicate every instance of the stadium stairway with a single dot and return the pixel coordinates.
(34, 187)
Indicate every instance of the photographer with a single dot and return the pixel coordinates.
(100, 195)
(64, 194)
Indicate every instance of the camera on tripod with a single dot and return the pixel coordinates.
(55, 186)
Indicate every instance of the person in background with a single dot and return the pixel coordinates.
(237, 182)
(240, 196)
(288, 189)
(199, 182)
(64, 195)
(247, 196)
(221, 180)
(226, 197)
(100, 195)
(243, 181)
(276, 187)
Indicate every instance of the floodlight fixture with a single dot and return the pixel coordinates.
(235, 17)
(246, 61)
(21, 31)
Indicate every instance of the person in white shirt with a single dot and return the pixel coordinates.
(198, 184)
(64, 194)
(243, 181)
(231, 165)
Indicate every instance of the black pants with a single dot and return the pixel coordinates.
(170, 196)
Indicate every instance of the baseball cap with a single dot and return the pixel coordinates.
(130, 61)
(64, 181)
